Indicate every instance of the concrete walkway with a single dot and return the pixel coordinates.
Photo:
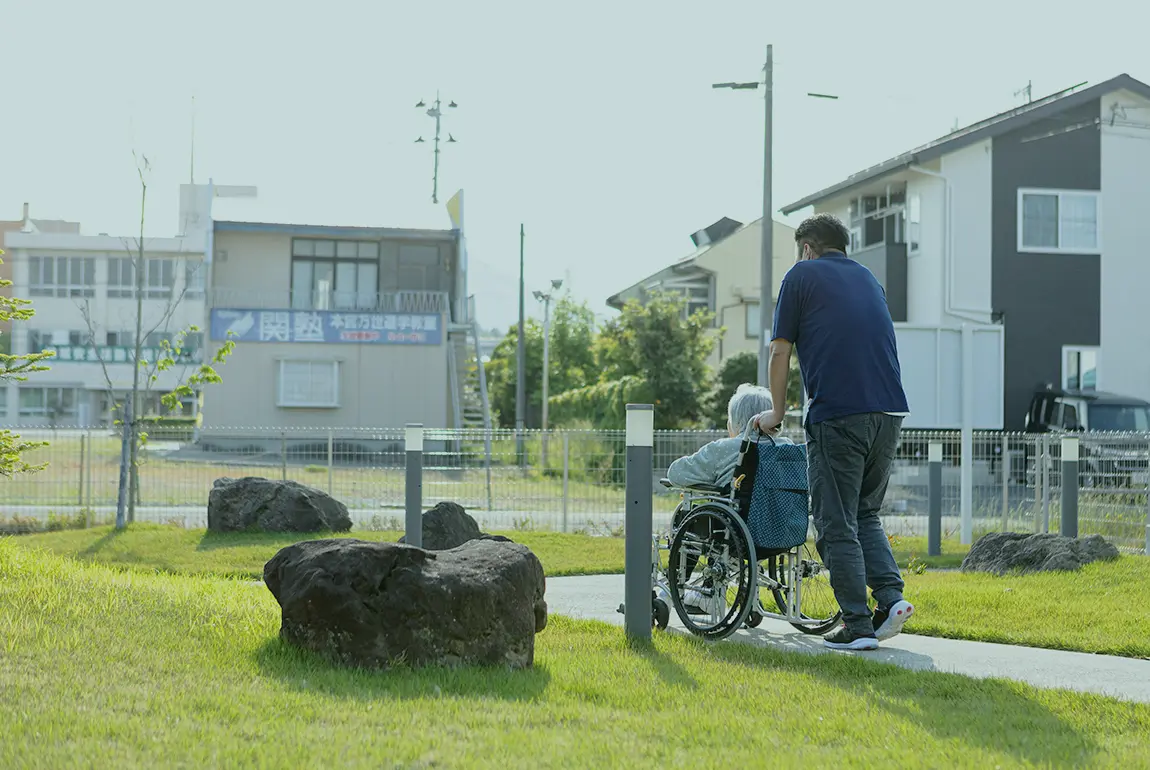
(597, 597)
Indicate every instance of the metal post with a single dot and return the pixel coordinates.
(638, 525)
(1146, 546)
(766, 294)
(91, 447)
(966, 491)
(413, 486)
(1045, 483)
(546, 372)
(330, 458)
(521, 363)
(80, 489)
(1069, 486)
(566, 477)
(1007, 469)
(934, 499)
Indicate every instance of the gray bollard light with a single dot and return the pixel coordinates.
(934, 497)
(1070, 486)
(639, 527)
(413, 485)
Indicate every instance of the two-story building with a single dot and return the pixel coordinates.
(83, 289)
(722, 276)
(1028, 221)
(336, 327)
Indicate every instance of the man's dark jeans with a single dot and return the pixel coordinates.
(849, 461)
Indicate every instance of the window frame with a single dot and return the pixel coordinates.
(752, 334)
(38, 287)
(1067, 352)
(281, 403)
(44, 410)
(363, 250)
(1058, 193)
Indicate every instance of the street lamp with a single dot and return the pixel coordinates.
(436, 111)
(546, 298)
(766, 255)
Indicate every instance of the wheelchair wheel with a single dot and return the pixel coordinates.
(817, 603)
(710, 571)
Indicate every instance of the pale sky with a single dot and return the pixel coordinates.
(594, 125)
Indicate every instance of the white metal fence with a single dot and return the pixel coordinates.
(566, 480)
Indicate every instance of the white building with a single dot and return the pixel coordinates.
(83, 289)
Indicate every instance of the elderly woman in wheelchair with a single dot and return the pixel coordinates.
(739, 534)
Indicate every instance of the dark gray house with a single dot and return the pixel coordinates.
(1033, 221)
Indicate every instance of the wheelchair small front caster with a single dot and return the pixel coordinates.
(754, 619)
(660, 614)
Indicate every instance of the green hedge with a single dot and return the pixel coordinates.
(603, 405)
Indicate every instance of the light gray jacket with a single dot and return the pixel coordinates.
(714, 464)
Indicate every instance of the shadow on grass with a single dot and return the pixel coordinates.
(105, 540)
(992, 715)
(215, 540)
(314, 673)
(664, 665)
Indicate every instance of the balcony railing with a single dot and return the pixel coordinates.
(118, 354)
(382, 302)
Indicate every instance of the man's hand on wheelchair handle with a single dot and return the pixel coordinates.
(769, 422)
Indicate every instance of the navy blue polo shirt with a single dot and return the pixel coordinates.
(834, 311)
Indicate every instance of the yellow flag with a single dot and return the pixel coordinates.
(455, 210)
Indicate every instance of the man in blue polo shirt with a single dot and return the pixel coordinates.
(834, 311)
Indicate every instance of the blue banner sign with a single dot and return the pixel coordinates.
(326, 326)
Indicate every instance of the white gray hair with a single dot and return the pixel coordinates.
(748, 401)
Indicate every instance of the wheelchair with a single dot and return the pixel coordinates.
(718, 580)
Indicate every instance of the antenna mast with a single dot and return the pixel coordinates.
(436, 112)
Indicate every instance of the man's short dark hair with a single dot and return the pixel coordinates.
(824, 232)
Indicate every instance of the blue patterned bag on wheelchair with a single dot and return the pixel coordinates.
(772, 491)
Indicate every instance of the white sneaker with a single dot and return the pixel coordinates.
(888, 623)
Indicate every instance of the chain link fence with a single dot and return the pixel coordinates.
(564, 480)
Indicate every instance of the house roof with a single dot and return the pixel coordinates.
(332, 231)
(991, 127)
(727, 226)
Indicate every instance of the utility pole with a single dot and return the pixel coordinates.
(766, 254)
(436, 111)
(521, 361)
(546, 298)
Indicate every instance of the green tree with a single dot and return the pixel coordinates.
(572, 362)
(17, 368)
(655, 342)
(741, 368)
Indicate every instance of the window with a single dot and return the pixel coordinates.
(62, 277)
(47, 402)
(194, 274)
(121, 278)
(1123, 418)
(309, 384)
(339, 275)
(913, 223)
(1080, 368)
(754, 319)
(1057, 221)
(120, 339)
(159, 278)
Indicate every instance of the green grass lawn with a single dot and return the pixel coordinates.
(1100, 609)
(114, 668)
(243, 555)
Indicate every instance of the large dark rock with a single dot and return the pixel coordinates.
(1004, 552)
(448, 526)
(375, 604)
(273, 506)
